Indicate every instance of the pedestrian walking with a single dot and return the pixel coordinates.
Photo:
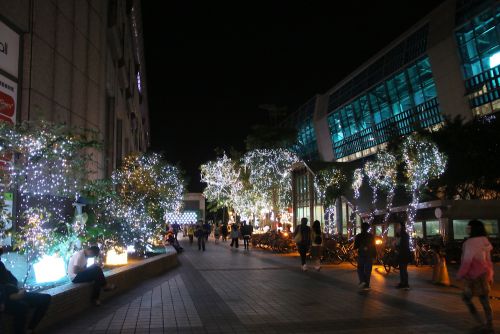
(224, 232)
(175, 228)
(302, 237)
(200, 235)
(216, 233)
(235, 233)
(207, 229)
(317, 239)
(247, 231)
(364, 242)
(476, 269)
(404, 257)
(190, 233)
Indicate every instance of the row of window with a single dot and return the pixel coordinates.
(405, 52)
(406, 89)
(479, 43)
(302, 120)
(302, 189)
(430, 228)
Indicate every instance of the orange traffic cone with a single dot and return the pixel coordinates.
(440, 272)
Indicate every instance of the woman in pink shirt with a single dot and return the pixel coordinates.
(476, 269)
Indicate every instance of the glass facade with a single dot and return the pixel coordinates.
(479, 45)
(413, 47)
(460, 232)
(306, 146)
(303, 196)
(399, 105)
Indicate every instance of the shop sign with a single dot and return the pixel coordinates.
(9, 50)
(8, 105)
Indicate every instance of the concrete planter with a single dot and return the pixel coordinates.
(70, 299)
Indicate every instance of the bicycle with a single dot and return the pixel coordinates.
(390, 260)
(423, 254)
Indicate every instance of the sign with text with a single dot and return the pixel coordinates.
(8, 105)
(9, 50)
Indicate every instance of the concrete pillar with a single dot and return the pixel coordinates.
(324, 140)
(445, 62)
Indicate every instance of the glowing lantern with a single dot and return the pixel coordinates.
(49, 269)
(113, 258)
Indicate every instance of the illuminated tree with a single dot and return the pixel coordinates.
(147, 188)
(422, 162)
(329, 181)
(270, 173)
(222, 177)
(46, 165)
(382, 176)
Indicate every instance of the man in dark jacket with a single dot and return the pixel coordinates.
(247, 231)
(365, 244)
(404, 257)
(200, 235)
(207, 229)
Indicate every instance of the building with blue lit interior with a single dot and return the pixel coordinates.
(448, 64)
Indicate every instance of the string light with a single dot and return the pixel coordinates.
(422, 162)
(382, 175)
(326, 179)
(270, 174)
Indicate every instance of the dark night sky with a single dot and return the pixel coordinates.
(210, 64)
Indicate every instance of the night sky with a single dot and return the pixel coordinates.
(211, 64)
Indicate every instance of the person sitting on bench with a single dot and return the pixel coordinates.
(80, 273)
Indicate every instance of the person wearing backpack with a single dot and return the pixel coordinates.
(317, 244)
(302, 237)
(365, 244)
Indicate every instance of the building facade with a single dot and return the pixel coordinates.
(79, 63)
(446, 65)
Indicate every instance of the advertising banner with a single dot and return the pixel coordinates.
(8, 106)
(9, 50)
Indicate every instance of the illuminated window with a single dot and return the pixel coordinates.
(393, 103)
(432, 228)
(479, 44)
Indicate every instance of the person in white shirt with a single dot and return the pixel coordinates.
(78, 272)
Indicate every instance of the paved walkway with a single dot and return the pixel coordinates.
(226, 290)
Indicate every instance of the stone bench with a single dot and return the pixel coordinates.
(71, 299)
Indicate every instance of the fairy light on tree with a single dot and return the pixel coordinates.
(48, 169)
(422, 162)
(147, 189)
(325, 181)
(223, 181)
(382, 176)
(357, 182)
(270, 173)
(372, 172)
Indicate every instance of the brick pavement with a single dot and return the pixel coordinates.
(226, 290)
